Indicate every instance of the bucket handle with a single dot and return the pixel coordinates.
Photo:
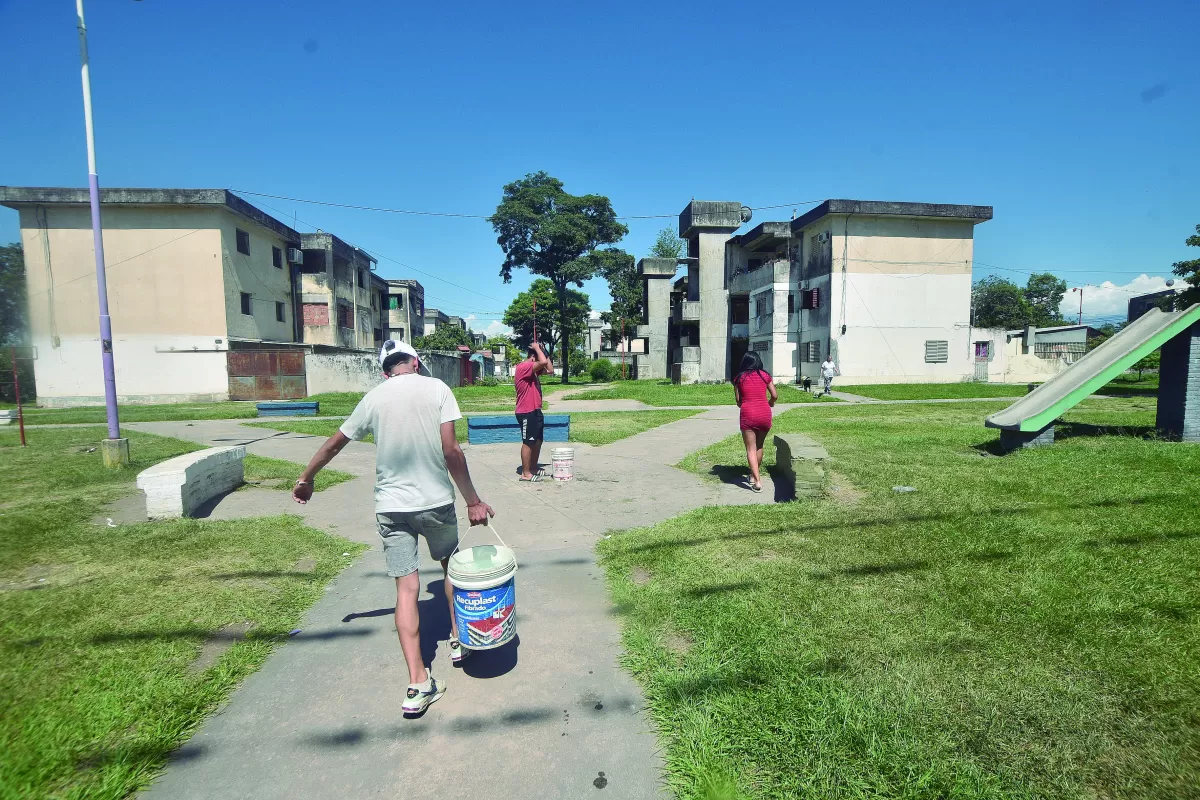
(487, 525)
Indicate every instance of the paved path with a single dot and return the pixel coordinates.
(542, 719)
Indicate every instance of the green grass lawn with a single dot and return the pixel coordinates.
(100, 628)
(934, 391)
(590, 427)
(1131, 384)
(161, 412)
(1021, 626)
(665, 393)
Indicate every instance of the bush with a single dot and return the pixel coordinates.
(602, 370)
(487, 380)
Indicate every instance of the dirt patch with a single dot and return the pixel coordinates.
(42, 576)
(842, 491)
(266, 483)
(678, 643)
(769, 555)
(305, 565)
(128, 510)
(640, 576)
(218, 644)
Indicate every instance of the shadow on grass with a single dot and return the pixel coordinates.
(133, 753)
(715, 683)
(264, 573)
(868, 570)
(1139, 540)
(721, 588)
(116, 637)
(1072, 430)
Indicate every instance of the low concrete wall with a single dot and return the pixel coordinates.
(341, 372)
(802, 464)
(446, 367)
(178, 486)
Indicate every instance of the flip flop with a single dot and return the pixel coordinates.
(756, 487)
(537, 477)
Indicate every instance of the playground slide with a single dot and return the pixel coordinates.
(1048, 402)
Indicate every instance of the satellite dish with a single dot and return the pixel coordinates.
(1170, 283)
(747, 213)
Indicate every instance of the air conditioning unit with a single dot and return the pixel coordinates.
(823, 237)
(295, 255)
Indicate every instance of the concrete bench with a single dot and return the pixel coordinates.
(178, 486)
(288, 409)
(498, 430)
(801, 461)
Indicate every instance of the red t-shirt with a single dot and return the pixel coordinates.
(529, 388)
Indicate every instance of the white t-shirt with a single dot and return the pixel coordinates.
(828, 370)
(405, 414)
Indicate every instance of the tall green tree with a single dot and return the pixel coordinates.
(444, 337)
(998, 303)
(625, 287)
(667, 245)
(1190, 272)
(550, 232)
(520, 317)
(1044, 293)
(14, 323)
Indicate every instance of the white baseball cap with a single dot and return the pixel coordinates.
(391, 348)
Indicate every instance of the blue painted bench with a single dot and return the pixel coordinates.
(288, 408)
(505, 430)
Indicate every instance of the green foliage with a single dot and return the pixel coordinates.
(602, 370)
(936, 391)
(554, 234)
(667, 245)
(625, 287)
(1000, 303)
(487, 380)
(1151, 362)
(444, 337)
(1044, 293)
(1190, 272)
(14, 327)
(520, 317)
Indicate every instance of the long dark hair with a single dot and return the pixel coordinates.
(750, 363)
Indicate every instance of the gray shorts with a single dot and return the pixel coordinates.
(399, 531)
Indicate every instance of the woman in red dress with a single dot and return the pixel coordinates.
(754, 392)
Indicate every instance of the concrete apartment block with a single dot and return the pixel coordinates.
(656, 274)
(707, 226)
(406, 309)
(178, 486)
(1179, 387)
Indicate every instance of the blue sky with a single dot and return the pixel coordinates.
(1077, 121)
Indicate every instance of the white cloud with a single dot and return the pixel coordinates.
(1109, 300)
(494, 327)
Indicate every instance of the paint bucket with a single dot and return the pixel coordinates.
(564, 463)
(485, 594)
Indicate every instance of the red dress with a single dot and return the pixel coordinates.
(756, 411)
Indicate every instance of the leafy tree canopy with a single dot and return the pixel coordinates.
(1044, 293)
(444, 337)
(1190, 272)
(667, 245)
(520, 316)
(998, 303)
(625, 288)
(13, 322)
(550, 232)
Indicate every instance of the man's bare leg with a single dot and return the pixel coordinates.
(408, 626)
(535, 454)
(528, 464)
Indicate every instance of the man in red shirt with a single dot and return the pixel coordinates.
(529, 408)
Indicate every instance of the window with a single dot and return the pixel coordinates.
(762, 304)
(810, 299)
(246, 303)
(277, 257)
(791, 303)
(378, 336)
(761, 346)
(397, 333)
(937, 351)
(810, 352)
(243, 242)
(362, 280)
(396, 302)
(345, 316)
(280, 313)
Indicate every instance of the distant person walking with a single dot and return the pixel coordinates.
(526, 380)
(828, 373)
(416, 455)
(754, 392)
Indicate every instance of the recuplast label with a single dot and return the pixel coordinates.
(486, 617)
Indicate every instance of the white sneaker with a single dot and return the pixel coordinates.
(419, 696)
(458, 653)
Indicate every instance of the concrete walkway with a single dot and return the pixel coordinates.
(552, 716)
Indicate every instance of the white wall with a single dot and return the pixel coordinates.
(341, 372)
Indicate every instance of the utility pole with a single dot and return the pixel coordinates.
(622, 348)
(114, 449)
(1080, 290)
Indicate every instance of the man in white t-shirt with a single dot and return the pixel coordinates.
(416, 456)
(828, 373)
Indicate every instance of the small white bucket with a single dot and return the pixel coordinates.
(563, 459)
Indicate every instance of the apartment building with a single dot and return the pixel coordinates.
(406, 309)
(434, 319)
(882, 287)
(211, 298)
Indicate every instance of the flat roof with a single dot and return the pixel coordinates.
(879, 208)
(20, 196)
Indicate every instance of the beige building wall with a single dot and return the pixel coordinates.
(164, 277)
(255, 275)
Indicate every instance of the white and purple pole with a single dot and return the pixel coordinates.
(106, 346)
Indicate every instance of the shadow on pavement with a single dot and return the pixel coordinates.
(485, 664)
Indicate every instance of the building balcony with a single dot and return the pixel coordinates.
(762, 325)
(768, 274)
(686, 355)
(686, 311)
(643, 331)
(739, 330)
